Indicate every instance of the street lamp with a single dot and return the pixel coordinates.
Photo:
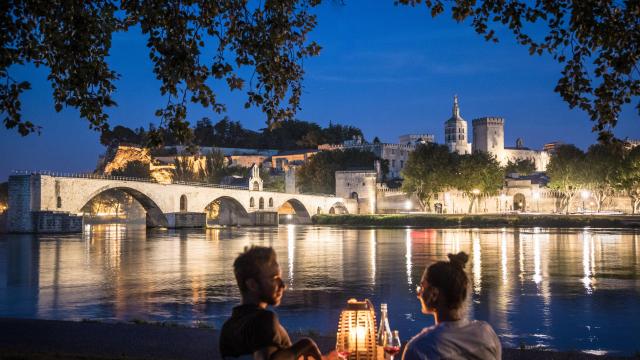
(408, 205)
(536, 197)
(585, 195)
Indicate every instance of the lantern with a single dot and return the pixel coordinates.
(356, 339)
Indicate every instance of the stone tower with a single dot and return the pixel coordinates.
(455, 131)
(488, 136)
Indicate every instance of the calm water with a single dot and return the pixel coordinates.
(562, 289)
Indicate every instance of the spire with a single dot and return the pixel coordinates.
(456, 108)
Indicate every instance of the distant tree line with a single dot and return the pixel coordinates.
(284, 135)
(432, 168)
(603, 171)
(317, 175)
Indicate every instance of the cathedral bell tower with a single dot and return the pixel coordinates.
(455, 131)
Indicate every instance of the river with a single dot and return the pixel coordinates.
(555, 288)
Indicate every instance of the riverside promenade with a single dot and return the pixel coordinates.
(50, 339)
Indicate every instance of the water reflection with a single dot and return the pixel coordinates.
(553, 288)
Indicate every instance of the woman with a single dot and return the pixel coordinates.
(442, 292)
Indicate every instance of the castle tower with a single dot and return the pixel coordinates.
(455, 131)
(488, 136)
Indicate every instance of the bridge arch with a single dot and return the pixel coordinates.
(155, 216)
(226, 210)
(293, 211)
(338, 208)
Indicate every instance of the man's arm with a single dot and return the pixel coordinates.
(304, 347)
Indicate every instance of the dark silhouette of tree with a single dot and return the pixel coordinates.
(521, 166)
(4, 196)
(73, 40)
(317, 175)
(134, 169)
(596, 42)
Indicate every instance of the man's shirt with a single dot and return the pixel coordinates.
(249, 329)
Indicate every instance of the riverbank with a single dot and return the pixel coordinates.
(481, 221)
(51, 339)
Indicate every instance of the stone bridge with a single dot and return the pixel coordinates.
(37, 198)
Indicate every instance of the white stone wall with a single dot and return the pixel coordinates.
(361, 183)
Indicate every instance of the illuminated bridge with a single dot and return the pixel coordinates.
(54, 202)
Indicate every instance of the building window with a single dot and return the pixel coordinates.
(59, 202)
(401, 163)
(261, 203)
(256, 186)
(270, 202)
(183, 202)
(252, 202)
(393, 163)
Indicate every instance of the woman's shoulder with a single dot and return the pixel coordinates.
(424, 339)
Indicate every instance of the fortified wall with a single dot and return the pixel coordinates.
(522, 195)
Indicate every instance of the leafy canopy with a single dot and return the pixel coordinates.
(317, 175)
(73, 39)
(429, 170)
(520, 166)
(596, 42)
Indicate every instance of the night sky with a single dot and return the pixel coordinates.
(387, 70)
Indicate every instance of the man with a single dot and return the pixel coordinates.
(252, 329)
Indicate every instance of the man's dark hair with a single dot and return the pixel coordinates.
(449, 277)
(249, 264)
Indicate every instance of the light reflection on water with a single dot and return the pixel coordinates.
(564, 289)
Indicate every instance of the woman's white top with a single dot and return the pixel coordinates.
(462, 339)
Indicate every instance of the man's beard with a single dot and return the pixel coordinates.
(271, 298)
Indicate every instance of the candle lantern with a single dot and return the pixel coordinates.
(356, 339)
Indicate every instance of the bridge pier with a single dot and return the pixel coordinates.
(186, 220)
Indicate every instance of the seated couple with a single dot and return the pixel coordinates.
(253, 331)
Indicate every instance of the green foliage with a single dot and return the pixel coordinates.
(478, 174)
(272, 181)
(604, 165)
(521, 166)
(186, 169)
(595, 41)
(429, 170)
(72, 40)
(215, 167)
(629, 178)
(134, 169)
(318, 174)
(4, 195)
(566, 171)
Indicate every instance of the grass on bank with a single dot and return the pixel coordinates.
(493, 220)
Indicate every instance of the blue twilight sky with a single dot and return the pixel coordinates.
(385, 69)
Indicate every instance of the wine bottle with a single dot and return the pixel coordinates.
(384, 330)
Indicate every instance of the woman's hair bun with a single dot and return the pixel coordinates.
(460, 259)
